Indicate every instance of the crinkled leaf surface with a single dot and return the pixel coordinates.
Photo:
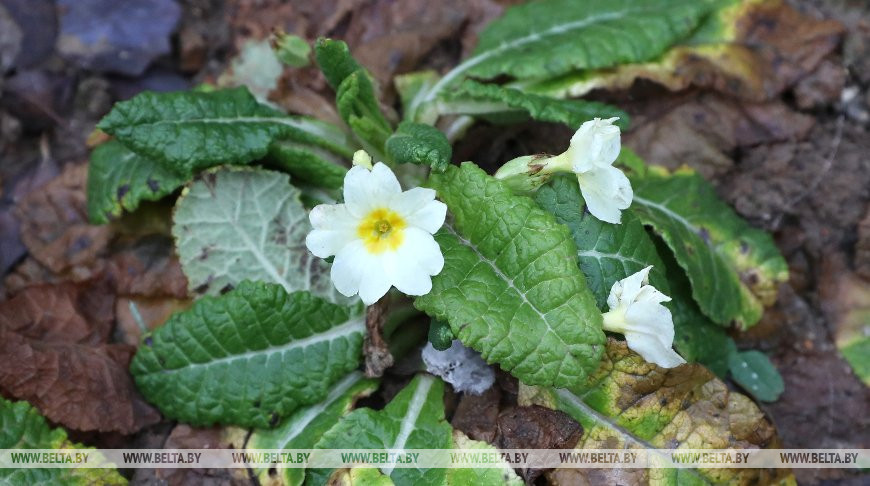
(308, 163)
(306, 425)
(414, 419)
(734, 268)
(418, 143)
(193, 130)
(119, 179)
(490, 100)
(355, 95)
(607, 252)
(511, 288)
(551, 37)
(756, 374)
(249, 357)
(234, 224)
(632, 404)
(22, 427)
(610, 252)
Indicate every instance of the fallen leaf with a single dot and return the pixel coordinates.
(55, 229)
(476, 415)
(107, 36)
(845, 299)
(536, 427)
(54, 353)
(702, 129)
(148, 267)
(187, 437)
(135, 312)
(862, 247)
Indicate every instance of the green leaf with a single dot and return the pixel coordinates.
(610, 252)
(696, 337)
(414, 419)
(306, 426)
(511, 288)
(440, 335)
(234, 224)
(249, 357)
(189, 131)
(753, 371)
(552, 37)
(359, 476)
(631, 404)
(490, 100)
(292, 50)
(504, 475)
(724, 257)
(417, 143)
(22, 427)
(308, 163)
(607, 252)
(412, 87)
(119, 179)
(355, 95)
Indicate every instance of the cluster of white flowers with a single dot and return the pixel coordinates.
(382, 237)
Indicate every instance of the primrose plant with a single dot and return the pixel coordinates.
(288, 227)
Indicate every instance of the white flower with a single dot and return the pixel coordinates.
(636, 311)
(380, 236)
(593, 150)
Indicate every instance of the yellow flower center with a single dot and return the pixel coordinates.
(381, 230)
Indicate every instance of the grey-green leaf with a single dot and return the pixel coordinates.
(414, 419)
(607, 252)
(249, 357)
(238, 223)
(22, 427)
(511, 288)
(306, 426)
(716, 248)
(753, 371)
(119, 179)
(492, 101)
(188, 131)
(418, 143)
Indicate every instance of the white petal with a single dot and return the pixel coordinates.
(409, 268)
(351, 264)
(376, 283)
(652, 350)
(332, 217)
(325, 243)
(607, 192)
(654, 320)
(421, 247)
(626, 290)
(419, 208)
(366, 189)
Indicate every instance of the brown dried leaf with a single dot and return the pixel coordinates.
(186, 437)
(702, 129)
(536, 427)
(148, 267)
(55, 229)
(54, 354)
(476, 415)
(153, 312)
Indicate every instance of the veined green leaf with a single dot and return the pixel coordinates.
(490, 101)
(119, 179)
(417, 143)
(355, 95)
(631, 404)
(511, 288)
(696, 337)
(414, 419)
(309, 164)
(607, 252)
(734, 268)
(249, 357)
(610, 252)
(188, 131)
(234, 224)
(306, 426)
(412, 87)
(551, 37)
(756, 374)
(480, 476)
(22, 427)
